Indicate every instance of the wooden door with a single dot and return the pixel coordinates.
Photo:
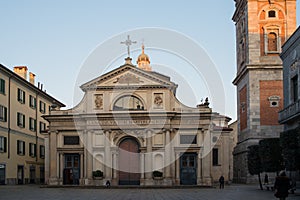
(188, 169)
(129, 162)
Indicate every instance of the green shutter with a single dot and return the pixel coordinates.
(35, 150)
(5, 114)
(30, 152)
(5, 145)
(18, 147)
(2, 86)
(23, 148)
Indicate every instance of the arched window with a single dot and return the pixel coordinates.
(128, 102)
(272, 13)
(272, 41)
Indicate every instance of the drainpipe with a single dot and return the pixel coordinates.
(36, 125)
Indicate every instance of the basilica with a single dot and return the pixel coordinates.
(130, 129)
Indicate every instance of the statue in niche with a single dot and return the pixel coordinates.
(98, 101)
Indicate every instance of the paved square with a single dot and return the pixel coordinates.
(233, 192)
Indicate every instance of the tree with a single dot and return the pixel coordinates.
(270, 155)
(254, 162)
(290, 144)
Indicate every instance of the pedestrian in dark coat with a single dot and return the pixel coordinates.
(221, 181)
(282, 186)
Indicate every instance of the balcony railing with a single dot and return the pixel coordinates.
(289, 112)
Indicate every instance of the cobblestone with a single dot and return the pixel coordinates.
(232, 192)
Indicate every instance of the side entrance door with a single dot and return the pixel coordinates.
(188, 169)
(20, 174)
(72, 169)
(2, 174)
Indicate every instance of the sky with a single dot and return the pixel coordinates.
(56, 39)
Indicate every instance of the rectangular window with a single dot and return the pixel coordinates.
(32, 150)
(42, 107)
(21, 120)
(42, 151)
(3, 113)
(294, 89)
(2, 86)
(32, 124)
(21, 96)
(188, 139)
(215, 155)
(20, 147)
(42, 127)
(32, 101)
(3, 143)
(71, 140)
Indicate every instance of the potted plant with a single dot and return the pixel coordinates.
(157, 175)
(98, 174)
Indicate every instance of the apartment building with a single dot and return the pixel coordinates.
(22, 105)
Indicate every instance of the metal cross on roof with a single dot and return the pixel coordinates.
(128, 43)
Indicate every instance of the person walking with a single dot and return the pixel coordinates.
(221, 181)
(282, 186)
(266, 181)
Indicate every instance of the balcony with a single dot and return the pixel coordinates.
(290, 112)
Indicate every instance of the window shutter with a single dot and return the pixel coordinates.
(5, 114)
(35, 150)
(30, 147)
(2, 84)
(5, 145)
(23, 148)
(23, 120)
(18, 147)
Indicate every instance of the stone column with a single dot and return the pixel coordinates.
(199, 168)
(142, 157)
(53, 158)
(207, 162)
(168, 154)
(61, 165)
(177, 168)
(81, 166)
(107, 156)
(88, 158)
(148, 157)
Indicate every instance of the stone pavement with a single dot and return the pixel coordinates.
(232, 192)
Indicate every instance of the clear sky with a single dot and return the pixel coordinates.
(54, 38)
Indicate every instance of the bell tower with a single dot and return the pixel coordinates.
(262, 27)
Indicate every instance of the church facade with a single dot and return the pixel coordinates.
(131, 127)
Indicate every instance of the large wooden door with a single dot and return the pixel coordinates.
(129, 162)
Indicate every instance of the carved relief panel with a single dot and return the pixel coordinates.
(158, 101)
(98, 100)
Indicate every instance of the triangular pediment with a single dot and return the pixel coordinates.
(129, 76)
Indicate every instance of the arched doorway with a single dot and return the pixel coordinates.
(129, 162)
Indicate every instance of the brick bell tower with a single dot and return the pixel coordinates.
(262, 26)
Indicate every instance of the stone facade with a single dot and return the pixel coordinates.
(130, 124)
(22, 105)
(261, 28)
